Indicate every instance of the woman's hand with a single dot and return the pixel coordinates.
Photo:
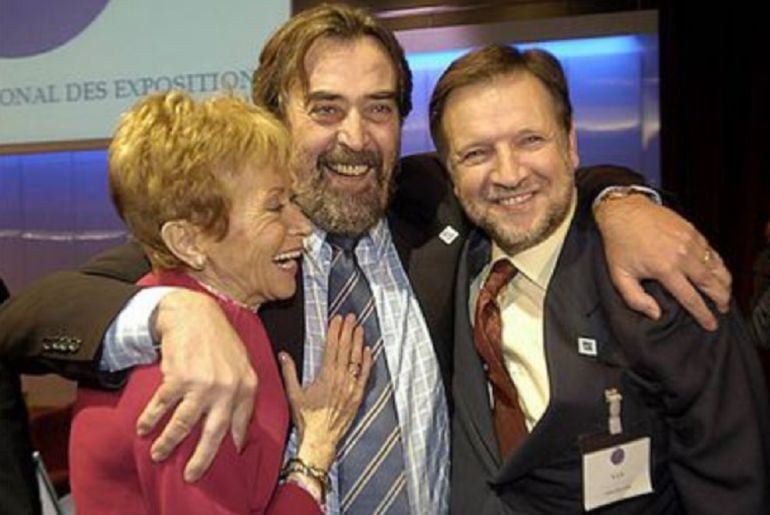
(324, 410)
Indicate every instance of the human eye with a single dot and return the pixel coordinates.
(531, 140)
(276, 207)
(275, 204)
(474, 156)
(381, 110)
(326, 112)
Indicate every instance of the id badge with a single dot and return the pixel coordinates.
(616, 465)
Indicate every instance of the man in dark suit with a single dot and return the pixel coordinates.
(566, 400)
(340, 81)
(18, 484)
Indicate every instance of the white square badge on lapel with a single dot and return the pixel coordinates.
(448, 234)
(587, 346)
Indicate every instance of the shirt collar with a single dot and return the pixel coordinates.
(376, 240)
(538, 263)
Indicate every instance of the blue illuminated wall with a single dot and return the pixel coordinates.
(55, 211)
(614, 86)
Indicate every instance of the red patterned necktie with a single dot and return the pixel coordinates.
(487, 335)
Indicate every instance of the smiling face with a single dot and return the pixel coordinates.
(346, 130)
(256, 260)
(511, 162)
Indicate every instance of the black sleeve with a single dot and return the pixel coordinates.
(592, 180)
(711, 394)
(761, 276)
(759, 324)
(57, 324)
(18, 485)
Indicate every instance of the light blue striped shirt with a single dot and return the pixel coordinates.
(128, 341)
(419, 394)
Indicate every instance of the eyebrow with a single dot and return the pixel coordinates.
(273, 191)
(383, 95)
(329, 96)
(322, 95)
(460, 150)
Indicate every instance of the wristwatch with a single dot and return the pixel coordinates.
(621, 192)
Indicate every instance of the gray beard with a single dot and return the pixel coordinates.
(340, 213)
(513, 241)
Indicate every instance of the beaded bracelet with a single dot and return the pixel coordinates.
(299, 466)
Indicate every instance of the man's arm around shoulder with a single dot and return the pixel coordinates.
(714, 401)
(57, 324)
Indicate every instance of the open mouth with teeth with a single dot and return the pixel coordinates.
(514, 200)
(347, 170)
(288, 260)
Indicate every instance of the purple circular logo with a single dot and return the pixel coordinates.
(617, 456)
(31, 27)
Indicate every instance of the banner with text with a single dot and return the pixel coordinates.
(68, 69)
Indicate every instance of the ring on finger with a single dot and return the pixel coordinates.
(707, 257)
(354, 369)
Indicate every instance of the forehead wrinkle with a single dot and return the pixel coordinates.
(528, 109)
(323, 95)
(329, 58)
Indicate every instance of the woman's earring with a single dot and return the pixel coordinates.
(199, 263)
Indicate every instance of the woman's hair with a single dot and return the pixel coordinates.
(170, 154)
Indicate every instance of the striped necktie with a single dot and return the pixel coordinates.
(372, 477)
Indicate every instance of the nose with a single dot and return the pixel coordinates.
(352, 132)
(296, 221)
(509, 170)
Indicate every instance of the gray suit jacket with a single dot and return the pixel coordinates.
(699, 396)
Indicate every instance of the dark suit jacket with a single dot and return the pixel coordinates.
(698, 395)
(759, 316)
(18, 484)
(65, 336)
(57, 324)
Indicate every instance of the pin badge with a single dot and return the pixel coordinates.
(587, 347)
(448, 234)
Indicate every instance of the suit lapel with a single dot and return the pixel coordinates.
(470, 382)
(423, 206)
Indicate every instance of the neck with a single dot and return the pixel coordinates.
(222, 292)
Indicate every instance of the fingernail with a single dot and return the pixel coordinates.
(156, 456)
(141, 431)
(189, 477)
(282, 356)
